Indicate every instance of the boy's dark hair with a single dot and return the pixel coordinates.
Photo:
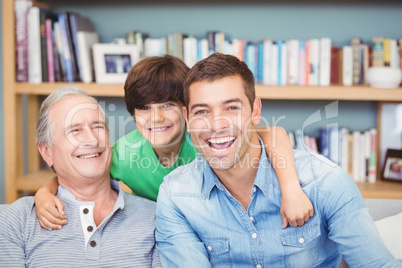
(155, 79)
(218, 66)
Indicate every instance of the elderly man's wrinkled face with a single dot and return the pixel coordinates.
(81, 147)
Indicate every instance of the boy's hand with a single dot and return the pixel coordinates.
(49, 211)
(296, 208)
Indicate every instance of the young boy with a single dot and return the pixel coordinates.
(142, 158)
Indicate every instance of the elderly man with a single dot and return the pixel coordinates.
(222, 211)
(106, 226)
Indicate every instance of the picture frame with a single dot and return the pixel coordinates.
(112, 62)
(393, 165)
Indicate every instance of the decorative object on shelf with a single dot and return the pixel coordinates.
(113, 62)
(384, 77)
(393, 165)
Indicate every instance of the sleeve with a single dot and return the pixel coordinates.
(177, 242)
(12, 220)
(349, 224)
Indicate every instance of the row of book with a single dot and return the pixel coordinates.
(355, 152)
(57, 47)
(50, 47)
(313, 62)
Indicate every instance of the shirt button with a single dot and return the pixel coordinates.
(93, 244)
(209, 248)
(301, 240)
(255, 189)
(90, 228)
(85, 211)
(258, 266)
(254, 235)
(251, 219)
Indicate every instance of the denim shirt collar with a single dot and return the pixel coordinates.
(262, 180)
(67, 196)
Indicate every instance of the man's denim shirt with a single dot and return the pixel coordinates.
(199, 223)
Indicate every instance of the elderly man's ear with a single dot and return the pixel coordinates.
(46, 153)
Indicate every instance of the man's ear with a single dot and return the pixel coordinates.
(256, 114)
(184, 110)
(46, 153)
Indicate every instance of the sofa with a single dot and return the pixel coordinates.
(387, 214)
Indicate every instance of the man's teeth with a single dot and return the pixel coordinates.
(86, 156)
(159, 129)
(221, 140)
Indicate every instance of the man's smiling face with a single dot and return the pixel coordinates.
(220, 120)
(81, 146)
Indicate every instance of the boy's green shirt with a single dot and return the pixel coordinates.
(135, 163)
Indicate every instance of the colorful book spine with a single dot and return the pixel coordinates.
(378, 52)
(21, 8)
(267, 54)
(324, 138)
(49, 49)
(334, 65)
(34, 56)
(302, 63)
(43, 45)
(347, 68)
(325, 61)
(387, 51)
(67, 51)
(356, 56)
(293, 61)
(314, 60)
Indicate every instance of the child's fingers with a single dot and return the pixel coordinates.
(59, 206)
(285, 221)
(48, 225)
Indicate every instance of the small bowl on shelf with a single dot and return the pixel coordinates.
(384, 77)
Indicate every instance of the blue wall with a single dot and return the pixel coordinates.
(339, 21)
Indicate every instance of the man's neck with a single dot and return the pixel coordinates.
(98, 191)
(239, 180)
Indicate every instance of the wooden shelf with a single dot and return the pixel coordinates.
(32, 182)
(357, 93)
(381, 189)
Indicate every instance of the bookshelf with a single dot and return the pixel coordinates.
(17, 182)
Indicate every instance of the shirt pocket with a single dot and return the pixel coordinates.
(301, 245)
(218, 251)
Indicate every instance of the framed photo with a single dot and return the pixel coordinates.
(112, 62)
(393, 165)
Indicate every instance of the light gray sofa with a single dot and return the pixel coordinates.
(378, 208)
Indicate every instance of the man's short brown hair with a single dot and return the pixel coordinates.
(218, 66)
(155, 80)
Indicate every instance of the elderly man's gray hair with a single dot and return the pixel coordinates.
(44, 127)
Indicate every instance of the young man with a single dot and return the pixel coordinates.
(223, 209)
(142, 158)
(73, 139)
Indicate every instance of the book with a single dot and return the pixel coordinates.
(400, 52)
(378, 52)
(356, 157)
(344, 148)
(190, 51)
(347, 66)
(267, 54)
(356, 56)
(302, 63)
(274, 65)
(59, 50)
(372, 176)
(49, 50)
(85, 40)
(334, 77)
(325, 61)
(314, 62)
(34, 54)
(366, 63)
(21, 9)
(334, 143)
(387, 51)
(211, 41)
(77, 24)
(324, 138)
(307, 57)
(293, 61)
(66, 41)
(394, 54)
